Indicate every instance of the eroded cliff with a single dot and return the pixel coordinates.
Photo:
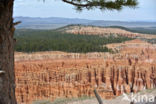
(131, 70)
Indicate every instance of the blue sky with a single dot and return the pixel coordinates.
(145, 11)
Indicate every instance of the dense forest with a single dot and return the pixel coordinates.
(50, 40)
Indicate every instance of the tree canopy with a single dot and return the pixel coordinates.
(102, 4)
(51, 40)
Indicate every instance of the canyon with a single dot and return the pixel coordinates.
(53, 75)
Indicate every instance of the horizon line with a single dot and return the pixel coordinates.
(86, 19)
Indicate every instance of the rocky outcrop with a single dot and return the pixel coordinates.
(131, 70)
(93, 30)
(53, 55)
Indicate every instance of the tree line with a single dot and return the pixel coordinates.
(50, 40)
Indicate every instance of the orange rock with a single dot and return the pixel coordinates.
(131, 70)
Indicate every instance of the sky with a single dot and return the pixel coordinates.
(145, 11)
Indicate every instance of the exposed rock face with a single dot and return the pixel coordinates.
(58, 55)
(92, 30)
(111, 76)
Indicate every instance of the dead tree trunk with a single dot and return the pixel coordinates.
(7, 77)
(98, 97)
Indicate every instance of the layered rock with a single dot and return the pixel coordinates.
(44, 81)
(131, 70)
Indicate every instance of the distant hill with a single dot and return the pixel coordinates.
(123, 23)
(110, 30)
(56, 22)
(47, 23)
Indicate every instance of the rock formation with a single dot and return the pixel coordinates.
(93, 30)
(131, 70)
